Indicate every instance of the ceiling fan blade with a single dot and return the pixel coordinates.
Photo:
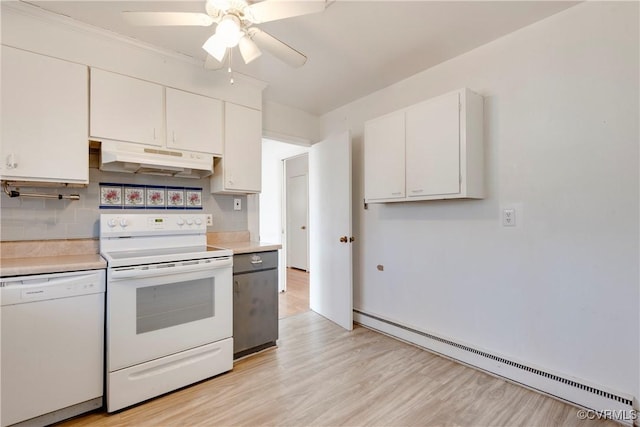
(212, 63)
(280, 50)
(248, 49)
(168, 18)
(272, 10)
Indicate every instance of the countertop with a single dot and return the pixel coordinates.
(50, 264)
(24, 258)
(247, 246)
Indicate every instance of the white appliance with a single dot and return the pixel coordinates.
(52, 346)
(126, 157)
(169, 305)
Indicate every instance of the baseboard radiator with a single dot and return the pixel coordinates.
(605, 403)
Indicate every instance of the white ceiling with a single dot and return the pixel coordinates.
(354, 47)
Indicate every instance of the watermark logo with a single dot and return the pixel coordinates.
(610, 414)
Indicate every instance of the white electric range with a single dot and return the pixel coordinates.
(169, 305)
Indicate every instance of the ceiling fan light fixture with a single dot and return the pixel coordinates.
(228, 30)
(215, 47)
(248, 49)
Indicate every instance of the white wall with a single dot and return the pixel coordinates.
(288, 124)
(560, 290)
(271, 222)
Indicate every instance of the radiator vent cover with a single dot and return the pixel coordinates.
(535, 371)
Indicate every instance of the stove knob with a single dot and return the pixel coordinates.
(180, 222)
(124, 222)
(198, 221)
(189, 221)
(112, 222)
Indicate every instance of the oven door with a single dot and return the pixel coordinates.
(161, 309)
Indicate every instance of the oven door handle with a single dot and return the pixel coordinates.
(165, 269)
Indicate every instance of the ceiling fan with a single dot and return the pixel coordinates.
(234, 21)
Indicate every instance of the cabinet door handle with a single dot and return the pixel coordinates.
(154, 134)
(344, 239)
(397, 193)
(303, 228)
(173, 135)
(417, 191)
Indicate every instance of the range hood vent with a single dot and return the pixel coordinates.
(127, 157)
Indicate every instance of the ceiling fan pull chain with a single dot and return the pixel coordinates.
(230, 73)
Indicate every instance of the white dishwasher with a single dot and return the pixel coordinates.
(52, 346)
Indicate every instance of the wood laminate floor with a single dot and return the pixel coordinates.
(296, 299)
(322, 375)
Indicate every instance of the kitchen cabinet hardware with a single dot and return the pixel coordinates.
(15, 193)
(344, 239)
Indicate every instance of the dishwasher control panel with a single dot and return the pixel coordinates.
(25, 289)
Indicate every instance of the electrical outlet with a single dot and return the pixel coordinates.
(209, 220)
(509, 217)
(237, 204)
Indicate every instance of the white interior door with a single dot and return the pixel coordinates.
(297, 221)
(330, 279)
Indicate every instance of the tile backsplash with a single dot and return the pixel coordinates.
(137, 196)
(45, 219)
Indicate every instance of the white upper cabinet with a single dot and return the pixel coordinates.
(240, 169)
(44, 119)
(126, 109)
(441, 149)
(433, 147)
(384, 157)
(194, 122)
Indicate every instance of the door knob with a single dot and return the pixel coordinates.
(344, 239)
(303, 228)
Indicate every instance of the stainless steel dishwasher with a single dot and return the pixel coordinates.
(255, 302)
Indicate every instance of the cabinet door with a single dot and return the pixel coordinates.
(255, 309)
(242, 156)
(194, 122)
(126, 109)
(384, 152)
(433, 147)
(44, 119)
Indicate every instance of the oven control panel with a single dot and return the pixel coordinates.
(140, 224)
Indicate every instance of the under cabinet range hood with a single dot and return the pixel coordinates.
(143, 159)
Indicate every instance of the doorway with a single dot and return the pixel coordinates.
(296, 219)
(330, 281)
(273, 200)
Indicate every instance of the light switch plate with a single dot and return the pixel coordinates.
(237, 204)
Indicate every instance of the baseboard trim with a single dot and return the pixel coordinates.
(602, 401)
